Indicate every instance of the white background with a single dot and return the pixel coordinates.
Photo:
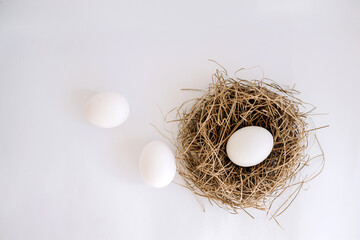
(62, 178)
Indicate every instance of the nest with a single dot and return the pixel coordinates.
(206, 123)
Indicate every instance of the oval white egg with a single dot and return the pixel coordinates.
(249, 146)
(157, 164)
(107, 110)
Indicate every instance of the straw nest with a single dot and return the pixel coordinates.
(206, 123)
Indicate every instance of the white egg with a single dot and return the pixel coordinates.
(249, 146)
(157, 164)
(107, 110)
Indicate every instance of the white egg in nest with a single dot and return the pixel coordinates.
(157, 164)
(249, 146)
(107, 110)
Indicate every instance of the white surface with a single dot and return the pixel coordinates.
(249, 146)
(62, 178)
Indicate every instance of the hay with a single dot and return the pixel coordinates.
(206, 123)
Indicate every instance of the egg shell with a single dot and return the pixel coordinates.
(107, 110)
(249, 146)
(157, 164)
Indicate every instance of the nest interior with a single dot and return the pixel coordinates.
(206, 123)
